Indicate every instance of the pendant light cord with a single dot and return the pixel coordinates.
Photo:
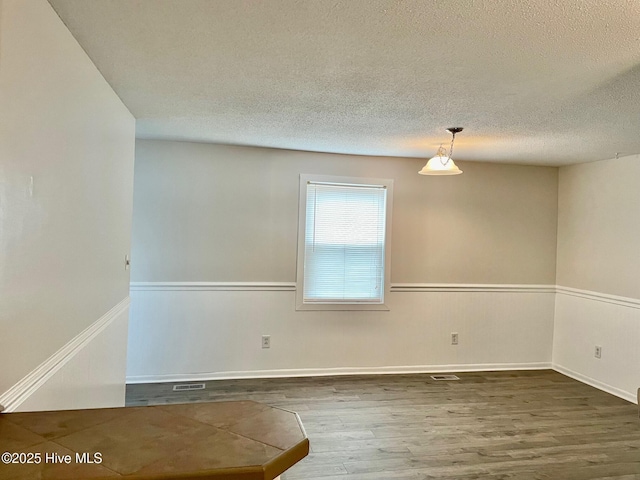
(453, 137)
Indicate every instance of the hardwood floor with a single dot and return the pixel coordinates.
(491, 425)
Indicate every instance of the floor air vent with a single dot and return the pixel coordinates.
(445, 377)
(188, 386)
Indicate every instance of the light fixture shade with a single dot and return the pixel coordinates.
(439, 165)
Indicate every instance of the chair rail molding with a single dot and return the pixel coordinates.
(27, 386)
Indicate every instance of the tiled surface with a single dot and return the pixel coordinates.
(147, 441)
(259, 427)
(225, 413)
(15, 438)
(64, 422)
(217, 451)
(50, 471)
(514, 425)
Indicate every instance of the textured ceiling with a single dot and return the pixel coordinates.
(538, 82)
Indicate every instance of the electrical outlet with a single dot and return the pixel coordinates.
(266, 341)
(454, 339)
(598, 352)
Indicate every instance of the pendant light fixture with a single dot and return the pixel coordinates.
(442, 164)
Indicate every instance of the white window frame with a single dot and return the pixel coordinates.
(302, 214)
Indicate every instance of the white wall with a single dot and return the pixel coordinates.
(66, 167)
(227, 217)
(599, 262)
(86, 373)
(205, 212)
(599, 226)
(584, 320)
(208, 333)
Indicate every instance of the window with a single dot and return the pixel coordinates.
(343, 247)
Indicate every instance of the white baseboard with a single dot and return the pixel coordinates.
(25, 388)
(629, 396)
(328, 372)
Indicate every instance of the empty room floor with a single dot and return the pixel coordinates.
(486, 425)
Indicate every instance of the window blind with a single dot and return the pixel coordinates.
(344, 243)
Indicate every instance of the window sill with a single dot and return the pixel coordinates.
(342, 307)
